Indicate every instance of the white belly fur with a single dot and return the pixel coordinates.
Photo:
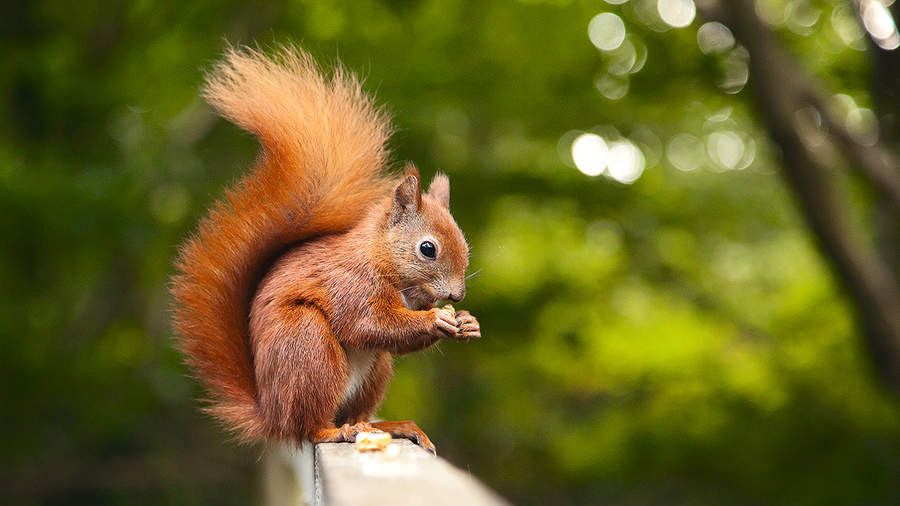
(360, 362)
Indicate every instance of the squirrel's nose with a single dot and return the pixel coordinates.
(456, 297)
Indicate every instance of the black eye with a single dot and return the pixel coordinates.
(428, 249)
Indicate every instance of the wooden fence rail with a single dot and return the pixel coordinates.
(336, 474)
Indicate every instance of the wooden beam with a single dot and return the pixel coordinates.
(336, 474)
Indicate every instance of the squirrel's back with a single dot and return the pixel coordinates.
(320, 167)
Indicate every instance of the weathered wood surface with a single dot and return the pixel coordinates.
(336, 474)
(406, 476)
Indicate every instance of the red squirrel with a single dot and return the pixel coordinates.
(316, 266)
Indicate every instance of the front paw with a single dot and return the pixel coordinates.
(467, 327)
(443, 323)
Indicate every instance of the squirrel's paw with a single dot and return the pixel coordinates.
(344, 434)
(443, 323)
(467, 327)
(349, 432)
(407, 429)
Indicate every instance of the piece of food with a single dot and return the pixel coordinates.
(450, 308)
(372, 441)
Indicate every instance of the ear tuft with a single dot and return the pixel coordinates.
(439, 189)
(411, 170)
(407, 196)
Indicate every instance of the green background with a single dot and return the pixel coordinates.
(678, 340)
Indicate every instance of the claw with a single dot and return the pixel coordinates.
(407, 429)
(467, 326)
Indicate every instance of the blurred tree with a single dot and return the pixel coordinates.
(786, 96)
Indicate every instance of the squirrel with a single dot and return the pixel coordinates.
(318, 265)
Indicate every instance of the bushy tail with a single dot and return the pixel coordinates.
(321, 166)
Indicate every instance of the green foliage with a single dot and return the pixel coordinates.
(677, 340)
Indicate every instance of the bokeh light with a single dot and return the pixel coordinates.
(677, 13)
(880, 24)
(729, 150)
(735, 70)
(590, 154)
(626, 162)
(714, 37)
(629, 58)
(620, 159)
(685, 152)
(641, 54)
(612, 87)
(801, 17)
(622, 59)
(606, 31)
(845, 25)
(861, 122)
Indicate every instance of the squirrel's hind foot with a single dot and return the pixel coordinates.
(343, 434)
(404, 429)
(407, 429)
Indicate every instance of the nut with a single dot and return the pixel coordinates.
(372, 441)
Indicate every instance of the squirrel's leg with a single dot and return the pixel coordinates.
(297, 396)
(362, 405)
(407, 429)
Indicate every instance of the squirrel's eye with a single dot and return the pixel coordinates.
(428, 249)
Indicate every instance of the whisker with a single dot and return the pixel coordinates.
(470, 276)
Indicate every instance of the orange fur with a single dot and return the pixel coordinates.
(303, 279)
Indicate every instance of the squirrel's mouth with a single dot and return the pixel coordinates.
(419, 298)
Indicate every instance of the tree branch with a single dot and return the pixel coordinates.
(780, 89)
(886, 99)
(876, 162)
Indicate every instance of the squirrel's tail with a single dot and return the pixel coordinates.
(321, 166)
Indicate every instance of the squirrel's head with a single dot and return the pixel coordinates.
(425, 245)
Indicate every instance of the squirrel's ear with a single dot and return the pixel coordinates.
(407, 196)
(439, 189)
